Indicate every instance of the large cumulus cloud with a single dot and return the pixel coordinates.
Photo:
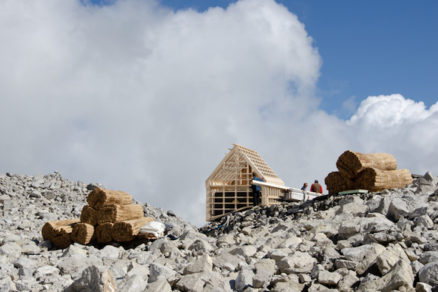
(148, 100)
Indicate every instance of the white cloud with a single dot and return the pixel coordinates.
(148, 100)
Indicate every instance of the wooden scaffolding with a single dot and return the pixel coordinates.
(229, 186)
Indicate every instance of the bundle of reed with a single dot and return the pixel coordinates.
(115, 213)
(89, 215)
(59, 232)
(376, 180)
(127, 230)
(103, 233)
(350, 163)
(100, 197)
(82, 233)
(336, 182)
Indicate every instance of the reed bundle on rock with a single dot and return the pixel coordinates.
(104, 233)
(100, 197)
(375, 180)
(127, 230)
(59, 232)
(115, 213)
(350, 163)
(83, 233)
(336, 182)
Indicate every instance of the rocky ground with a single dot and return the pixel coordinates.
(386, 241)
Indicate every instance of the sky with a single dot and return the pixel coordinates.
(148, 96)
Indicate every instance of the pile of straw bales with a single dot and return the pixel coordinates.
(109, 216)
(373, 172)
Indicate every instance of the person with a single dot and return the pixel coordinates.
(304, 189)
(316, 187)
(256, 194)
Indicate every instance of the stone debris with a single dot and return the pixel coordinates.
(381, 241)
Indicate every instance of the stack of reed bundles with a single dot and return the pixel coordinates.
(373, 172)
(109, 216)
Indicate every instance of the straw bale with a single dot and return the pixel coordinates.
(375, 180)
(103, 232)
(350, 163)
(127, 230)
(336, 182)
(115, 213)
(59, 232)
(89, 215)
(100, 197)
(82, 233)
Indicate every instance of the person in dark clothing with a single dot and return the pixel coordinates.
(256, 190)
(316, 187)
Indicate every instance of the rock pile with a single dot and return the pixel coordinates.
(382, 241)
(373, 172)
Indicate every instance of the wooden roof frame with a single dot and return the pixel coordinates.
(259, 166)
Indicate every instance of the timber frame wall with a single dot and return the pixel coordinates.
(229, 186)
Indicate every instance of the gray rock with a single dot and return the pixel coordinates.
(244, 279)
(190, 283)
(160, 285)
(347, 282)
(398, 208)
(424, 221)
(11, 249)
(200, 264)
(329, 278)
(388, 258)
(110, 252)
(299, 262)
(245, 251)
(350, 265)
(423, 287)
(134, 283)
(429, 274)
(93, 279)
(354, 208)
(30, 248)
(288, 286)
(157, 270)
(400, 277)
(364, 255)
(384, 205)
(7, 284)
(428, 257)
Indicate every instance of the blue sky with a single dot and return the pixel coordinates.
(367, 48)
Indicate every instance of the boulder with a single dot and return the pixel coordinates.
(398, 208)
(388, 258)
(298, 262)
(200, 264)
(159, 285)
(93, 279)
(244, 279)
(329, 278)
(399, 277)
(429, 274)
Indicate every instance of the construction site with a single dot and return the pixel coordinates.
(229, 187)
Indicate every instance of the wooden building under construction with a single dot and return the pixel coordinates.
(229, 186)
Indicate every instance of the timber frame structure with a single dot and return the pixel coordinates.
(229, 186)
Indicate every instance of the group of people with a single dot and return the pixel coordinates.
(316, 187)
